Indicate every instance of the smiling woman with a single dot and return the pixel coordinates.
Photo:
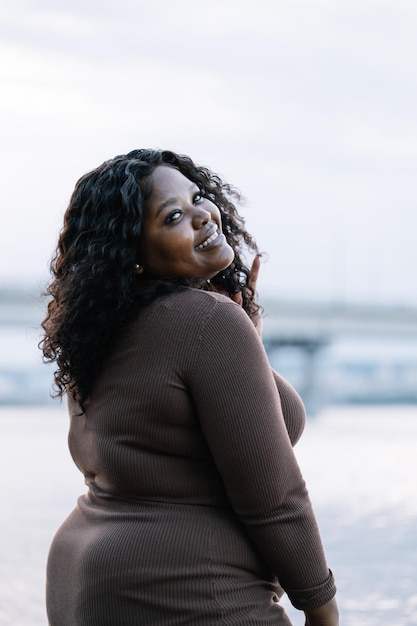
(133, 230)
(196, 511)
(182, 231)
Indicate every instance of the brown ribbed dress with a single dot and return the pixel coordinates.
(196, 505)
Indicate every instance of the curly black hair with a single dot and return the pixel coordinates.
(94, 288)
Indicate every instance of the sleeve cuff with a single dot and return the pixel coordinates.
(314, 597)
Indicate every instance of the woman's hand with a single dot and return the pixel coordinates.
(326, 615)
(253, 277)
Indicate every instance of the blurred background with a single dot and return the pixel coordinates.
(309, 108)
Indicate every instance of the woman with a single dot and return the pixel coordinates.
(196, 506)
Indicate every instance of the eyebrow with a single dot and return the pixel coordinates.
(165, 204)
(173, 200)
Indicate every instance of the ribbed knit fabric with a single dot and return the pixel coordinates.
(196, 505)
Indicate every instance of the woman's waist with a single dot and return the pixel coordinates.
(191, 536)
(131, 501)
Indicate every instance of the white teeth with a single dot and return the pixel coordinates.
(208, 241)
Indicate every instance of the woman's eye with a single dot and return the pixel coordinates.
(199, 196)
(173, 216)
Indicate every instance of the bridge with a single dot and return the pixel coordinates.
(286, 322)
(19, 307)
(305, 325)
(311, 326)
(317, 323)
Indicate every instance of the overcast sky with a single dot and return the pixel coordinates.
(308, 106)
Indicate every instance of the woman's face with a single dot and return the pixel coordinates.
(181, 233)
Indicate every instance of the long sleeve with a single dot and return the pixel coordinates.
(240, 412)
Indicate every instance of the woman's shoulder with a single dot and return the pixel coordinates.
(198, 307)
(188, 312)
(200, 299)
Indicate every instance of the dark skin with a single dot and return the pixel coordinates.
(182, 233)
(237, 297)
(326, 615)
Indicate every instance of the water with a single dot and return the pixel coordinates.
(359, 464)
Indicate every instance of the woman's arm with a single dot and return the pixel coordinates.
(240, 412)
(292, 406)
(326, 615)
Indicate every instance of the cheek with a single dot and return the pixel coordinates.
(174, 247)
(179, 242)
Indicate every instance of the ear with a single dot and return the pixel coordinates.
(138, 269)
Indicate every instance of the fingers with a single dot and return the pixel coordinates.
(252, 281)
(254, 272)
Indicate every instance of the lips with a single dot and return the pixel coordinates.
(208, 240)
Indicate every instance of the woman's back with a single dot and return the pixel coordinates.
(140, 436)
(161, 543)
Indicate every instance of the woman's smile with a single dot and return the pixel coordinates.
(211, 238)
(182, 232)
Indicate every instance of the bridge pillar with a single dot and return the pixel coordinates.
(312, 390)
(310, 387)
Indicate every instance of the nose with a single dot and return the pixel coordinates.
(200, 217)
